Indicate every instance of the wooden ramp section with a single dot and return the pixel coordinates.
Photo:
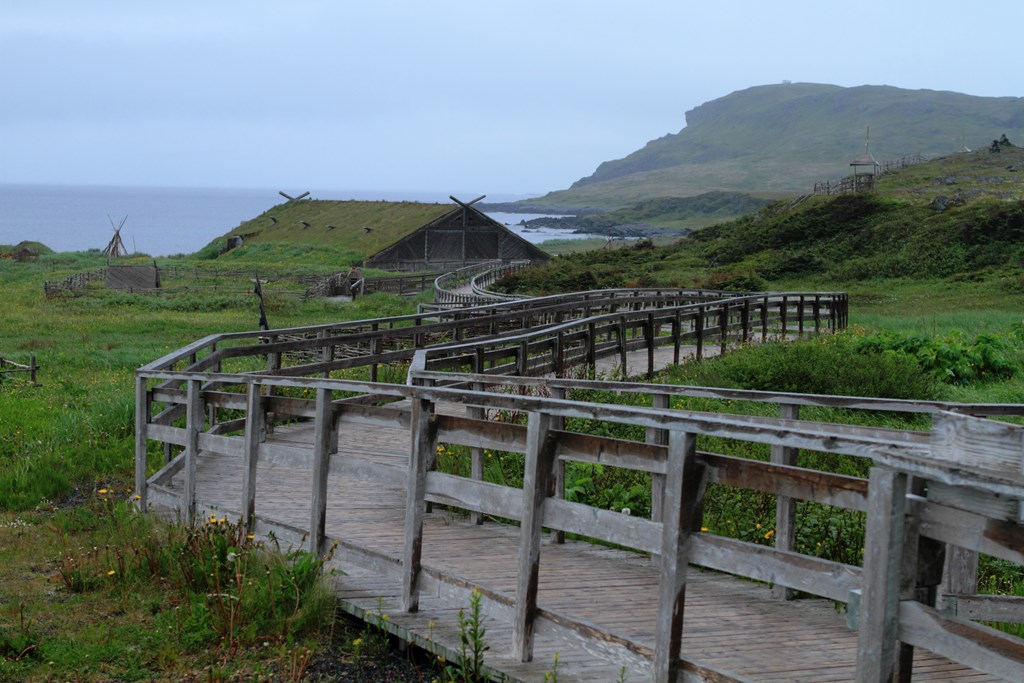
(731, 625)
(734, 629)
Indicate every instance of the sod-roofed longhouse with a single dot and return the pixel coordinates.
(462, 237)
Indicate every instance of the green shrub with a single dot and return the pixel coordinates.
(954, 358)
(833, 365)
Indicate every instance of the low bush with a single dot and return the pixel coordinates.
(836, 365)
(954, 359)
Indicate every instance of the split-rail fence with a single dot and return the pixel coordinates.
(240, 415)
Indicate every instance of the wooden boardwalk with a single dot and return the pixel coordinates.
(731, 624)
(259, 426)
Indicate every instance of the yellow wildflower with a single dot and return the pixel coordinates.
(101, 491)
(771, 532)
(111, 572)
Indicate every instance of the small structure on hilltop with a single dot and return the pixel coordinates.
(24, 254)
(463, 236)
(865, 168)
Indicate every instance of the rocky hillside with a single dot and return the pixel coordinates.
(778, 140)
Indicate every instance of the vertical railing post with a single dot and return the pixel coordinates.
(800, 316)
(325, 442)
(677, 333)
(817, 314)
(623, 350)
(194, 418)
(255, 434)
(723, 326)
(883, 565)
(558, 424)
(422, 446)
(745, 319)
(764, 319)
(783, 324)
(785, 507)
(700, 332)
(142, 416)
(649, 334)
(273, 365)
(556, 352)
(659, 437)
(592, 348)
(327, 352)
(523, 359)
(476, 453)
(537, 479)
(684, 489)
(32, 367)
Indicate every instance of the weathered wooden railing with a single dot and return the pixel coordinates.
(9, 367)
(581, 341)
(401, 285)
(464, 287)
(960, 484)
(337, 346)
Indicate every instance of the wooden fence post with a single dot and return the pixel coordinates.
(254, 435)
(623, 350)
(764, 319)
(700, 332)
(194, 417)
(557, 359)
(800, 316)
(558, 424)
(325, 442)
(745, 319)
(592, 349)
(142, 416)
(785, 507)
(660, 437)
(684, 489)
(883, 565)
(649, 334)
(536, 484)
(677, 333)
(476, 453)
(783, 324)
(723, 326)
(423, 436)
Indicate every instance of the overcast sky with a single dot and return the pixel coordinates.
(482, 96)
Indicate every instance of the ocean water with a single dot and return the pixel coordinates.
(165, 221)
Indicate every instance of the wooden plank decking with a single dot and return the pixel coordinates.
(731, 624)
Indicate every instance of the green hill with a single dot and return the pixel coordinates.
(777, 140)
(958, 217)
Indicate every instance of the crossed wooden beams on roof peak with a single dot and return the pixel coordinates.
(463, 204)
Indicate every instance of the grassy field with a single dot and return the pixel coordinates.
(66, 449)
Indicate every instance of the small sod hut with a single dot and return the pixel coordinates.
(463, 236)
